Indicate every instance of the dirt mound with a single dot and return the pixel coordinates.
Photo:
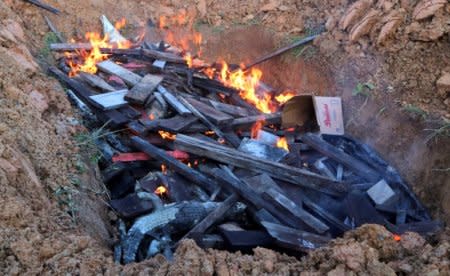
(369, 250)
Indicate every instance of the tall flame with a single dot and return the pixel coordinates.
(247, 83)
(90, 58)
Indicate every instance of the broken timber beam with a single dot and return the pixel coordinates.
(293, 238)
(142, 90)
(44, 6)
(215, 116)
(234, 157)
(178, 166)
(212, 217)
(247, 122)
(208, 123)
(357, 166)
(114, 117)
(173, 101)
(230, 181)
(126, 75)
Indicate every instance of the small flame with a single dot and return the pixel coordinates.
(209, 132)
(254, 134)
(151, 116)
(167, 135)
(189, 165)
(164, 168)
(282, 143)
(397, 238)
(188, 59)
(120, 24)
(161, 190)
(284, 97)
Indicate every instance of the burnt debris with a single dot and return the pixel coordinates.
(186, 162)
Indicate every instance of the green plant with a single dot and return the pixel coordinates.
(443, 131)
(416, 111)
(65, 196)
(49, 38)
(363, 89)
(87, 141)
(381, 111)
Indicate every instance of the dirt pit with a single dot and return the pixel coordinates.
(54, 218)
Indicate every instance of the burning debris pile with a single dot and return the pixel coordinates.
(201, 151)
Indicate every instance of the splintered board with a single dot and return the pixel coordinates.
(141, 91)
(112, 68)
(111, 100)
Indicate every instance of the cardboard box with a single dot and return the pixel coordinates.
(325, 111)
(329, 115)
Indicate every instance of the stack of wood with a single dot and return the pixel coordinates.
(186, 138)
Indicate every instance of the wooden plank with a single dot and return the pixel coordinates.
(359, 167)
(271, 192)
(141, 91)
(177, 123)
(215, 116)
(110, 100)
(96, 81)
(173, 101)
(294, 238)
(69, 47)
(213, 217)
(114, 117)
(163, 56)
(234, 157)
(248, 122)
(280, 199)
(44, 6)
(230, 181)
(131, 206)
(233, 110)
(327, 216)
(126, 75)
(198, 178)
(208, 123)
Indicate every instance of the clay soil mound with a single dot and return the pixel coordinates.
(53, 219)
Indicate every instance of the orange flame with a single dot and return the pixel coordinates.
(188, 59)
(94, 56)
(161, 190)
(282, 143)
(254, 134)
(397, 237)
(284, 97)
(209, 132)
(167, 135)
(120, 24)
(247, 83)
(151, 116)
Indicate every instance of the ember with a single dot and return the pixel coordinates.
(167, 135)
(161, 190)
